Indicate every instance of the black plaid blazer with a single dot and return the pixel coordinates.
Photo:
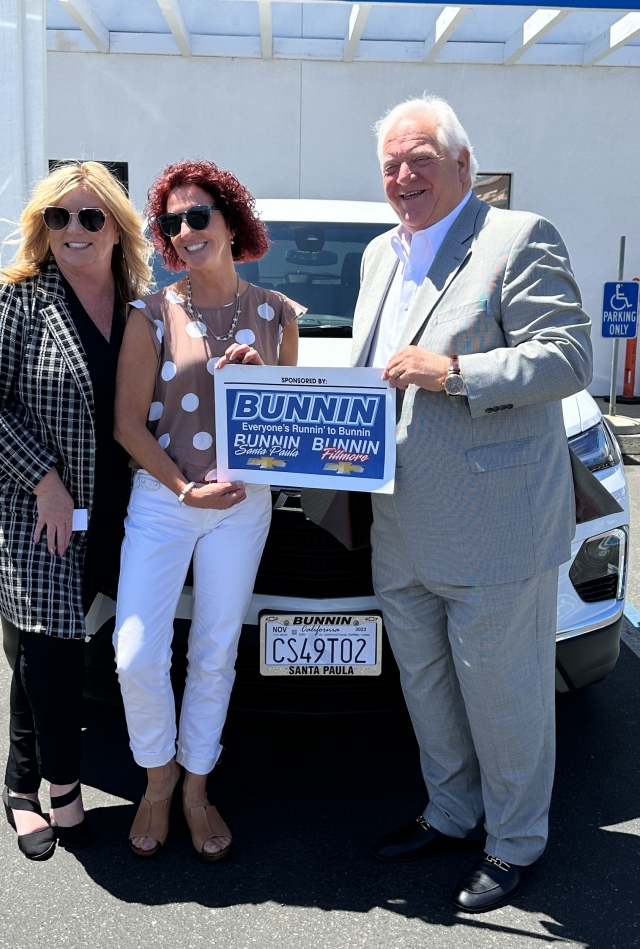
(46, 419)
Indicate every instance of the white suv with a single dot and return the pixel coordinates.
(315, 259)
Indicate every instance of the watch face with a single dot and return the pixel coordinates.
(454, 384)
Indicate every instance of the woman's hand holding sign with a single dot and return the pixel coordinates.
(216, 495)
(240, 353)
(415, 366)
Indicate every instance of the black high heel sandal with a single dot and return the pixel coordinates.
(39, 845)
(78, 836)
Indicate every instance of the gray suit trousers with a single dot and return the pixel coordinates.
(477, 666)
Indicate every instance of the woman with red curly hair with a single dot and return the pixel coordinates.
(203, 219)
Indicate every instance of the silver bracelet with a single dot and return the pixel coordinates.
(185, 491)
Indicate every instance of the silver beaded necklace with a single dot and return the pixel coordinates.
(196, 316)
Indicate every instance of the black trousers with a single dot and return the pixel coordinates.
(46, 699)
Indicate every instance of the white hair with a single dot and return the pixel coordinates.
(450, 132)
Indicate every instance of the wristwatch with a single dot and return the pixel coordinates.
(453, 383)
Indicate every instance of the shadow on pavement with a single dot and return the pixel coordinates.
(306, 797)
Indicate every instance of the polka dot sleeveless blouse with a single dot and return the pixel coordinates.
(181, 416)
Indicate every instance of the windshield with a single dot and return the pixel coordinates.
(318, 266)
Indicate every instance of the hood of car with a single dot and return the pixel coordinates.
(322, 211)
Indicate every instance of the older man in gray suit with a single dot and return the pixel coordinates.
(474, 315)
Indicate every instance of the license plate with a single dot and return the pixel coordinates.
(319, 645)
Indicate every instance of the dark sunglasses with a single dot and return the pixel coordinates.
(91, 219)
(197, 218)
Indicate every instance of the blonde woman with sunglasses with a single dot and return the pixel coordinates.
(81, 258)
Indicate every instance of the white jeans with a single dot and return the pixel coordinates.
(161, 537)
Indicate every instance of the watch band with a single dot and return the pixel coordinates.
(453, 383)
(454, 368)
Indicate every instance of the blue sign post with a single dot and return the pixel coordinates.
(620, 310)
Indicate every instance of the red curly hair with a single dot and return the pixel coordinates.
(251, 238)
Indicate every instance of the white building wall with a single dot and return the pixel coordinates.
(293, 129)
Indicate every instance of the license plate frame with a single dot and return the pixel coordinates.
(342, 620)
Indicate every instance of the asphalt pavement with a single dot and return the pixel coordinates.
(305, 797)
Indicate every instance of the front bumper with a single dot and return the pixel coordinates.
(581, 659)
(587, 657)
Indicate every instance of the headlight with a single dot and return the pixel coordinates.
(596, 448)
(599, 571)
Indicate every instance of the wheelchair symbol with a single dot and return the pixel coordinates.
(619, 300)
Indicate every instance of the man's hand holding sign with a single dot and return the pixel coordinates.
(415, 366)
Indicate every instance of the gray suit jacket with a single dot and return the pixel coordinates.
(484, 492)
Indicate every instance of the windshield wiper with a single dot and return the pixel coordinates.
(325, 329)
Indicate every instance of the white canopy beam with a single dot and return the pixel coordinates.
(23, 116)
(82, 13)
(173, 15)
(619, 34)
(357, 20)
(446, 25)
(531, 31)
(266, 28)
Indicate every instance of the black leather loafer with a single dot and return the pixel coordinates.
(414, 841)
(490, 883)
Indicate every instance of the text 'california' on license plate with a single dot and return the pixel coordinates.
(320, 644)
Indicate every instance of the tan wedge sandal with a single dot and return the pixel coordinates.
(205, 823)
(151, 820)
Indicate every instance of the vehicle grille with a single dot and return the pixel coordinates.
(301, 559)
(602, 588)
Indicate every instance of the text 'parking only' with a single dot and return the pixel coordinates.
(620, 310)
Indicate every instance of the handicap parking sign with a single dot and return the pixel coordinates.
(620, 310)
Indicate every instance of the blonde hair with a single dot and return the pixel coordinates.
(130, 261)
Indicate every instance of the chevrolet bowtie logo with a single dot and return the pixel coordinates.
(343, 467)
(267, 462)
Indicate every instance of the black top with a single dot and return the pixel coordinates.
(112, 482)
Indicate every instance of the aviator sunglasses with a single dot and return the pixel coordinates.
(91, 219)
(197, 218)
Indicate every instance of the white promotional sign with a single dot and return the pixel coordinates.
(309, 428)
